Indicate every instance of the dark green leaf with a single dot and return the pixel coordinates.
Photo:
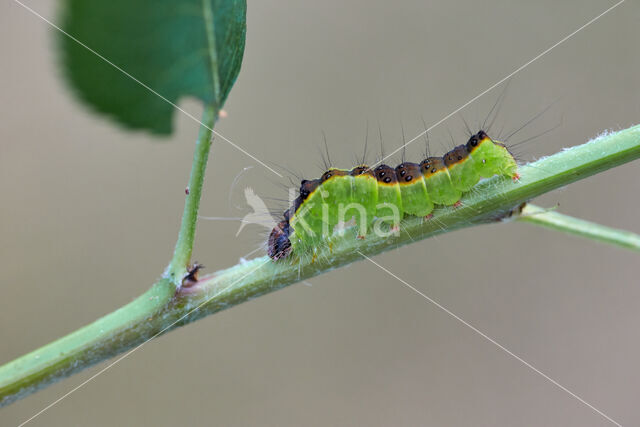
(171, 46)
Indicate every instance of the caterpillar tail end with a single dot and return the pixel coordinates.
(279, 245)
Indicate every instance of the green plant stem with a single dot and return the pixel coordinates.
(182, 254)
(491, 200)
(129, 325)
(579, 227)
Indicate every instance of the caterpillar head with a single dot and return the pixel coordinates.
(279, 245)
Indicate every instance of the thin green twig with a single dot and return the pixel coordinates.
(491, 200)
(125, 327)
(182, 254)
(579, 227)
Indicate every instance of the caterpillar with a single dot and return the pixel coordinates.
(382, 195)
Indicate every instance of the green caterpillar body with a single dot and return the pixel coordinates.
(384, 195)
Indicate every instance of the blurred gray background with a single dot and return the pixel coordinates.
(89, 214)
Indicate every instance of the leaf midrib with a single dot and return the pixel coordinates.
(207, 15)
